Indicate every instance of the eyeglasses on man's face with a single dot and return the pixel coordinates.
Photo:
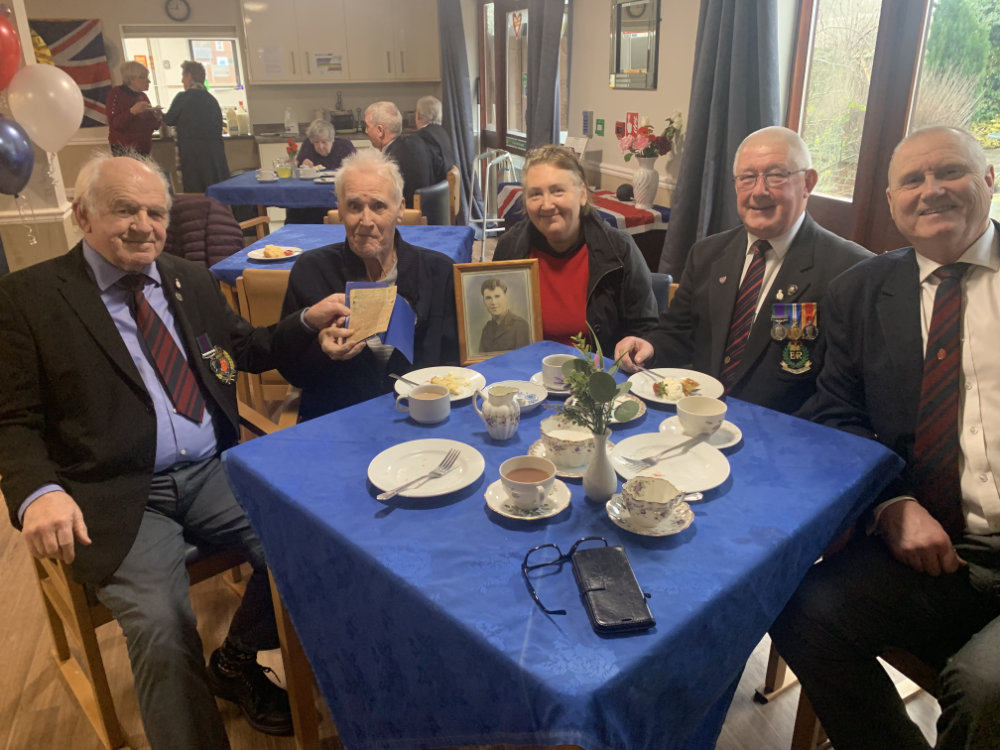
(549, 554)
(772, 178)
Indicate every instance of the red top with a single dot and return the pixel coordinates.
(563, 281)
(124, 128)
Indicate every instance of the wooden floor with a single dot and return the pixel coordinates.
(37, 712)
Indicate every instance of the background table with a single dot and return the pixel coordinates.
(418, 625)
(287, 192)
(455, 242)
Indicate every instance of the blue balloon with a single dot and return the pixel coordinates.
(17, 158)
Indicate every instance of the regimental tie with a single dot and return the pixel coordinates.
(171, 366)
(743, 314)
(936, 449)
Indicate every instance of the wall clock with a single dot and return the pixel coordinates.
(178, 10)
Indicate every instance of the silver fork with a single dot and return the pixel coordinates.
(438, 471)
(656, 378)
(643, 463)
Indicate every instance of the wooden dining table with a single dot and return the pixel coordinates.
(417, 623)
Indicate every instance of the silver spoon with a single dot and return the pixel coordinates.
(394, 376)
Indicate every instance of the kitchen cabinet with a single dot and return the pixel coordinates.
(393, 41)
(304, 41)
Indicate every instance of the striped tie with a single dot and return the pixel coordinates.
(177, 378)
(743, 314)
(936, 451)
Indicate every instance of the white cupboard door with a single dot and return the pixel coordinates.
(272, 44)
(322, 40)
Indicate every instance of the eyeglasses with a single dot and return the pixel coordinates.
(549, 554)
(774, 178)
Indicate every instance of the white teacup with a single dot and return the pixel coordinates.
(527, 480)
(649, 500)
(427, 404)
(266, 174)
(552, 373)
(700, 415)
(567, 444)
(308, 172)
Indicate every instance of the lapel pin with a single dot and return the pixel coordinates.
(722, 279)
(780, 295)
(177, 283)
(178, 297)
(793, 288)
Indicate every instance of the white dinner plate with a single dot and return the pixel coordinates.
(529, 396)
(675, 523)
(323, 180)
(258, 254)
(556, 501)
(472, 380)
(696, 468)
(726, 436)
(618, 402)
(539, 381)
(642, 384)
(401, 463)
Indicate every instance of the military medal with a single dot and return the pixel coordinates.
(795, 356)
(778, 319)
(219, 360)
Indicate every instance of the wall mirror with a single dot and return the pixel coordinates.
(634, 27)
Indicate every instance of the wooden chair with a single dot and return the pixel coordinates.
(260, 293)
(261, 224)
(454, 193)
(411, 216)
(74, 615)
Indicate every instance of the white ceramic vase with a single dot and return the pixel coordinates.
(645, 181)
(599, 480)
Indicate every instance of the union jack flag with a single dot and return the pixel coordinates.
(77, 48)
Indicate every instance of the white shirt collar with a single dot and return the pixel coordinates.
(983, 252)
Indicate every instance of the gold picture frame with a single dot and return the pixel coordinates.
(499, 307)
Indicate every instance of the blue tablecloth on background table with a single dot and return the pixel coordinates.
(419, 627)
(288, 192)
(455, 242)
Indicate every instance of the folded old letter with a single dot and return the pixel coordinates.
(370, 311)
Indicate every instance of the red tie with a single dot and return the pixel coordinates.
(172, 367)
(936, 450)
(743, 313)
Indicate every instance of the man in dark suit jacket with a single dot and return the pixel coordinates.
(926, 576)
(428, 116)
(102, 469)
(774, 177)
(384, 127)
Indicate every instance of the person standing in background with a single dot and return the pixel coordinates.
(198, 119)
(131, 117)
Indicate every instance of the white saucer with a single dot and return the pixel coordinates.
(538, 380)
(556, 502)
(567, 472)
(726, 436)
(268, 179)
(675, 523)
(529, 397)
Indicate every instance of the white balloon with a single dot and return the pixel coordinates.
(47, 103)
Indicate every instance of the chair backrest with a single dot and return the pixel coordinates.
(433, 202)
(454, 193)
(260, 293)
(661, 290)
(411, 216)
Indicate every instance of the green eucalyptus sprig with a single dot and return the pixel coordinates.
(594, 389)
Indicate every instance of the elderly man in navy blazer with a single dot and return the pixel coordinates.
(913, 362)
(746, 309)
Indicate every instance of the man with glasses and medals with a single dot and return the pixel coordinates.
(746, 310)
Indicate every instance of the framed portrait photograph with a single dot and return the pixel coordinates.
(499, 307)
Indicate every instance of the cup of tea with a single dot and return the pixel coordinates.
(566, 443)
(700, 415)
(527, 480)
(427, 404)
(266, 174)
(308, 172)
(552, 373)
(649, 500)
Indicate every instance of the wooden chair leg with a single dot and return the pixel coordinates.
(298, 678)
(807, 734)
(777, 678)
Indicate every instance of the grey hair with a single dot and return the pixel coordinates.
(428, 110)
(370, 161)
(86, 193)
(795, 147)
(975, 148)
(387, 115)
(131, 69)
(320, 128)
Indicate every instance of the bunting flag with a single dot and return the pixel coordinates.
(77, 47)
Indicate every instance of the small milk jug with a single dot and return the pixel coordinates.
(500, 411)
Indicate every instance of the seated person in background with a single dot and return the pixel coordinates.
(590, 272)
(384, 126)
(779, 254)
(912, 362)
(505, 330)
(322, 150)
(428, 117)
(337, 371)
(118, 394)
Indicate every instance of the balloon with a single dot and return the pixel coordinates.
(10, 52)
(47, 103)
(17, 158)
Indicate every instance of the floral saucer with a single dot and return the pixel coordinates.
(566, 472)
(555, 502)
(675, 523)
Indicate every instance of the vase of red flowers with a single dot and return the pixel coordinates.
(292, 149)
(646, 146)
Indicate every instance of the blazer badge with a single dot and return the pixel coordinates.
(795, 323)
(220, 361)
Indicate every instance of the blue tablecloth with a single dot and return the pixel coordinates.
(419, 627)
(289, 192)
(455, 242)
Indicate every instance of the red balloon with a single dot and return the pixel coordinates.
(10, 52)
